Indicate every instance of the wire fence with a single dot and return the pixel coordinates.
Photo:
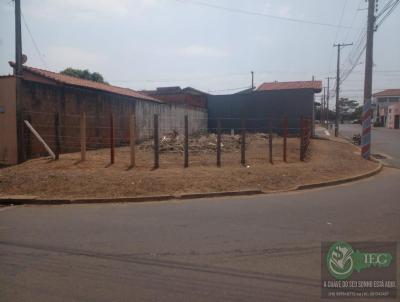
(166, 142)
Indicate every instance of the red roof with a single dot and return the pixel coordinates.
(315, 85)
(388, 92)
(68, 80)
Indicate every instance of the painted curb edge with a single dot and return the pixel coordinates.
(55, 201)
(342, 180)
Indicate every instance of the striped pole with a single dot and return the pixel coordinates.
(367, 112)
(366, 133)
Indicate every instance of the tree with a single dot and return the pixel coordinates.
(357, 113)
(84, 74)
(347, 107)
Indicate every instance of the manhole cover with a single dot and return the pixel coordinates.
(379, 156)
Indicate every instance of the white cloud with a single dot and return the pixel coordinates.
(88, 9)
(55, 9)
(283, 11)
(201, 51)
(61, 57)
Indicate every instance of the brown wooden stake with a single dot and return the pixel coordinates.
(271, 160)
(285, 133)
(243, 143)
(112, 143)
(132, 139)
(219, 143)
(308, 131)
(156, 143)
(186, 164)
(83, 136)
(57, 135)
(40, 139)
(301, 139)
(28, 139)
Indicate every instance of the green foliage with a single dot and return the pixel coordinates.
(347, 105)
(357, 114)
(84, 74)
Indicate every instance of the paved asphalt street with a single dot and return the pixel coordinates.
(384, 141)
(260, 248)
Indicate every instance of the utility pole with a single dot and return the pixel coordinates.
(18, 39)
(367, 112)
(339, 47)
(18, 75)
(327, 99)
(252, 80)
(322, 117)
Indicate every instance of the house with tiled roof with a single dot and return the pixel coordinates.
(386, 104)
(177, 95)
(44, 94)
(267, 105)
(316, 86)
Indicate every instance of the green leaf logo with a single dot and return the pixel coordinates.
(342, 260)
(339, 260)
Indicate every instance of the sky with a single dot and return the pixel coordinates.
(211, 45)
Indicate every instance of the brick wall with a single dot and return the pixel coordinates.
(41, 101)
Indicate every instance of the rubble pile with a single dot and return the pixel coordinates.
(201, 143)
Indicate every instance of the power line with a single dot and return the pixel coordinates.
(33, 41)
(339, 47)
(336, 34)
(385, 73)
(360, 47)
(252, 13)
(388, 11)
(229, 89)
(353, 20)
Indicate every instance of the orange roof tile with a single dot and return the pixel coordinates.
(69, 80)
(315, 85)
(388, 92)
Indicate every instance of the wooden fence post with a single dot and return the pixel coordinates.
(186, 164)
(112, 143)
(301, 139)
(271, 160)
(285, 134)
(83, 136)
(218, 143)
(132, 139)
(40, 139)
(308, 130)
(57, 135)
(28, 139)
(243, 143)
(156, 143)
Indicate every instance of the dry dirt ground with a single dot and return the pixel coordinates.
(69, 178)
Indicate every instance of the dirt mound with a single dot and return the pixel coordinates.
(202, 143)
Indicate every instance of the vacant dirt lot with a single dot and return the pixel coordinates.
(68, 177)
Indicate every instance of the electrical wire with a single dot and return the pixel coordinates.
(39, 53)
(389, 11)
(336, 35)
(246, 12)
(360, 46)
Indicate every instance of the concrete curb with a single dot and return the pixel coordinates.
(33, 200)
(54, 201)
(20, 200)
(220, 194)
(341, 180)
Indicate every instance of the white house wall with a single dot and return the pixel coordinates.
(171, 118)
